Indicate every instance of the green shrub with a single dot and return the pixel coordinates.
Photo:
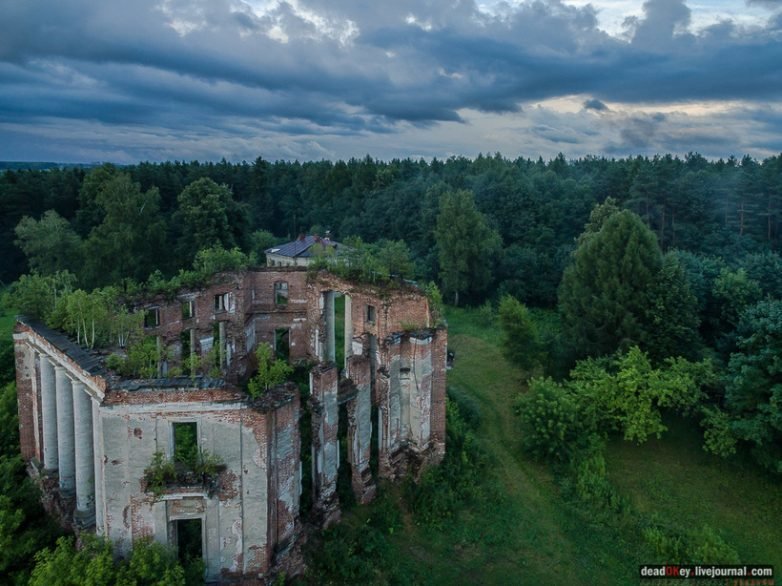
(115, 362)
(159, 474)
(486, 312)
(718, 436)
(555, 428)
(667, 547)
(458, 480)
(468, 407)
(708, 547)
(385, 515)
(680, 545)
(520, 340)
(344, 555)
(142, 359)
(150, 563)
(271, 371)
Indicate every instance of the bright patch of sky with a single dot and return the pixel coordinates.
(611, 14)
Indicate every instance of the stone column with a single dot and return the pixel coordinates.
(324, 384)
(65, 448)
(221, 349)
(48, 414)
(348, 330)
(359, 411)
(97, 442)
(329, 317)
(85, 462)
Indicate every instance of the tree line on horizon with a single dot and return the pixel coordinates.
(112, 223)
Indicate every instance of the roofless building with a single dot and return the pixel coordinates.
(99, 444)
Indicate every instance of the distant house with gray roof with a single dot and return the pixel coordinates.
(300, 252)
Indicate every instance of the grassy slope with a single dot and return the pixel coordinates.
(531, 532)
(522, 537)
(674, 478)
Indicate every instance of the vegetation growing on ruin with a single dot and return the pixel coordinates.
(196, 468)
(271, 371)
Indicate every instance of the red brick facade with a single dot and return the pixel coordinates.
(391, 387)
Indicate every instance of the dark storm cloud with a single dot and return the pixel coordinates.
(348, 67)
(639, 132)
(593, 104)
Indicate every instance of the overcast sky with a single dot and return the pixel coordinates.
(125, 81)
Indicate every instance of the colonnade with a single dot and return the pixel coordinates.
(68, 437)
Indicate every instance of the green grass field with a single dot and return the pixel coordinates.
(7, 320)
(675, 479)
(526, 532)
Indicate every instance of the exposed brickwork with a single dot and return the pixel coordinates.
(25, 374)
(393, 391)
(439, 354)
(152, 395)
(359, 411)
(325, 448)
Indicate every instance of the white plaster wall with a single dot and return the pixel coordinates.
(235, 522)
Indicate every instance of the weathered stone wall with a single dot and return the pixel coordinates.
(251, 514)
(26, 389)
(439, 356)
(268, 315)
(359, 410)
(324, 382)
(207, 315)
(395, 310)
(394, 364)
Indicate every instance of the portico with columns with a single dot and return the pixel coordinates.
(59, 396)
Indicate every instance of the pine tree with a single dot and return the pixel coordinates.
(606, 289)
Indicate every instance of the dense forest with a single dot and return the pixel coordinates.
(624, 289)
(534, 210)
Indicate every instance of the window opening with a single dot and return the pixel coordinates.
(152, 318)
(185, 442)
(221, 302)
(281, 293)
(188, 309)
(184, 340)
(282, 344)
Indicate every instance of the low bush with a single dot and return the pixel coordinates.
(441, 491)
(555, 426)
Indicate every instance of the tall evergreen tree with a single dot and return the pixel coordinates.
(467, 247)
(753, 392)
(204, 218)
(672, 313)
(606, 289)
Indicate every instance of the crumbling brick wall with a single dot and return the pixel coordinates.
(392, 386)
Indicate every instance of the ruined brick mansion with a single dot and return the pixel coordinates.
(90, 435)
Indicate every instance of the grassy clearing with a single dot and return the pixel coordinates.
(674, 479)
